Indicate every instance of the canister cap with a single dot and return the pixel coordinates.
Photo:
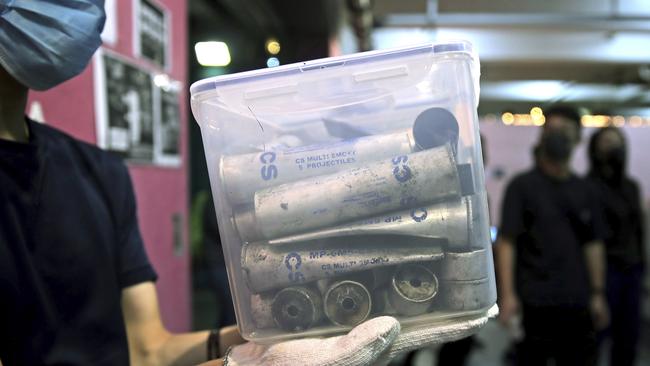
(435, 127)
(296, 308)
(347, 303)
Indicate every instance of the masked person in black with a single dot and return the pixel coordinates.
(621, 200)
(549, 254)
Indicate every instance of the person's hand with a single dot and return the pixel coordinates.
(599, 311)
(375, 341)
(508, 309)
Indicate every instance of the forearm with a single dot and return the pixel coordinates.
(149, 341)
(187, 348)
(505, 254)
(183, 349)
(594, 253)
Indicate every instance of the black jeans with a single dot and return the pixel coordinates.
(624, 298)
(565, 335)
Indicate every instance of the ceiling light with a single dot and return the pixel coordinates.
(212, 53)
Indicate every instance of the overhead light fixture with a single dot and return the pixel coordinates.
(212, 53)
(618, 121)
(272, 46)
(272, 62)
(507, 118)
(536, 111)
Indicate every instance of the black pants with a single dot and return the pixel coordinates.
(565, 335)
(624, 298)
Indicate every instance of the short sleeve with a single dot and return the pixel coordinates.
(512, 211)
(133, 264)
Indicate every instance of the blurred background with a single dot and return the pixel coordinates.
(591, 54)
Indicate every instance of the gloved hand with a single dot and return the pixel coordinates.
(375, 341)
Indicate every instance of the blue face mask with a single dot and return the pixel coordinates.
(46, 42)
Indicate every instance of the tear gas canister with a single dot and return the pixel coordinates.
(242, 175)
(450, 221)
(268, 267)
(405, 181)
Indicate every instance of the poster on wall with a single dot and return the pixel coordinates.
(151, 36)
(137, 114)
(125, 115)
(168, 126)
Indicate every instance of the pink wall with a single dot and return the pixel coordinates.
(509, 148)
(160, 192)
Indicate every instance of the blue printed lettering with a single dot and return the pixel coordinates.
(418, 214)
(401, 171)
(296, 277)
(268, 171)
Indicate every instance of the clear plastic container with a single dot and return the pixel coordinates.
(350, 187)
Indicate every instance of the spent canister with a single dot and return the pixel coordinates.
(409, 180)
(244, 174)
(465, 295)
(268, 267)
(347, 303)
(450, 221)
(412, 289)
(464, 266)
(297, 308)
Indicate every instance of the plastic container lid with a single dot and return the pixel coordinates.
(212, 83)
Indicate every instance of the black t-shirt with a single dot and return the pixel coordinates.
(69, 243)
(549, 221)
(621, 204)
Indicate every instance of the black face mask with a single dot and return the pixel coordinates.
(556, 146)
(611, 164)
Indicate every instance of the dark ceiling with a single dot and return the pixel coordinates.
(303, 28)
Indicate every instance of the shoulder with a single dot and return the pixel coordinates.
(89, 157)
(633, 184)
(523, 180)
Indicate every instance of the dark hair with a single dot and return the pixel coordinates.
(593, 141)
(567, 112)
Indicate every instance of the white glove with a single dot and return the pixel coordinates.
(375, 341)
(426, 335)
(360, 346)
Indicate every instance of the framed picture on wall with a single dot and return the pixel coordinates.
(124, 107)
(151, 33)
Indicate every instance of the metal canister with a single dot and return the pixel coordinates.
(242, 175)
(410, 180)
(464, 266)
(412, 289)
(297, 308)
(464, 295)
(267, 267)
(261, 312)
(370, 279)
(450, 221)
(347, 303)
